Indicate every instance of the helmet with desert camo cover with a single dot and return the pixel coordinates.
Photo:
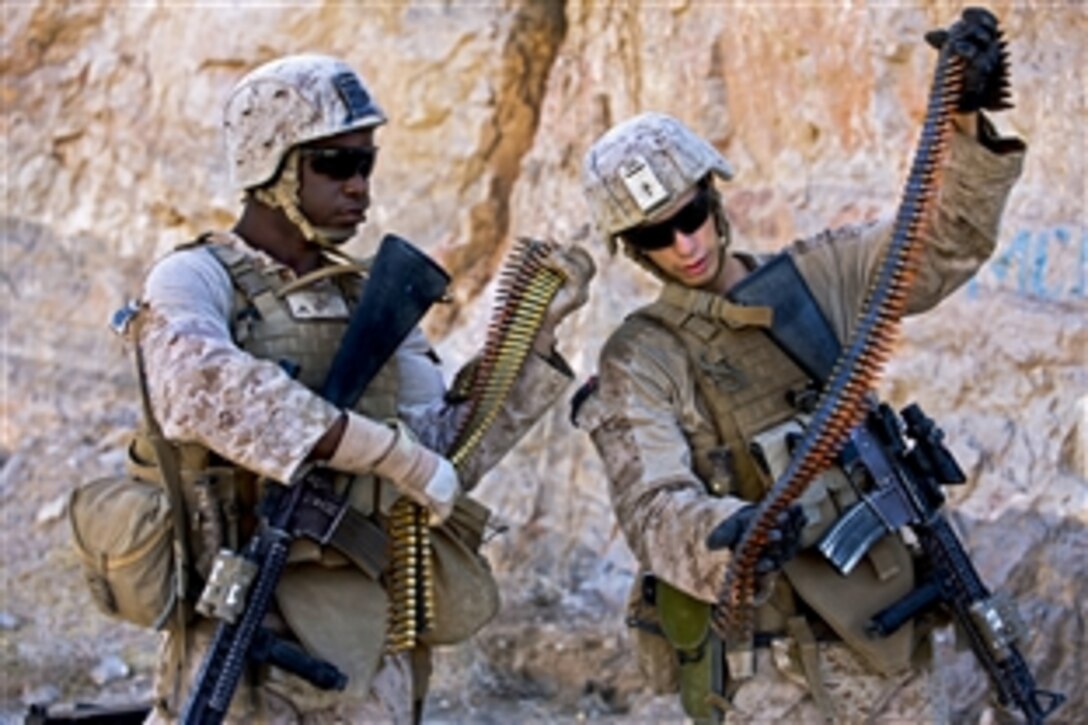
(642, 166)
(277, 108)
(290, 101)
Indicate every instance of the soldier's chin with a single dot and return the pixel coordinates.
(337, 235)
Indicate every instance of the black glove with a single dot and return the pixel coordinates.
(783, 542)
(976, 38)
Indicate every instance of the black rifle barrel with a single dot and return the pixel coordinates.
(962, 590)
(954, 582)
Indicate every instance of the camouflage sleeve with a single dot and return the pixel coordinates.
(206, 390)
(639, 419)
(960, 235)
(438, 422)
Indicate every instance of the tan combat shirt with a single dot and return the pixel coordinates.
(205, 389)
(646, 414)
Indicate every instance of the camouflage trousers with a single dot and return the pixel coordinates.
(281, 697)
(779, 692)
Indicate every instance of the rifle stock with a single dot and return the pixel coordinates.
(402, 285)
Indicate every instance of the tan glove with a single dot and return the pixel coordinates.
(577, 268)
(390, 451)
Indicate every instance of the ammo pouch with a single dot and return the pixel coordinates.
(210, 494)
(466, 596)
(465, 593)
(883, 578)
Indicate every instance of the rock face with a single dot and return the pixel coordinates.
(112, 155)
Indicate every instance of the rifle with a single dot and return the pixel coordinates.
(908, 463)
(403, 283)
(81, 713)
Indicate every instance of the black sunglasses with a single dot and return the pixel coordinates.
(340, 164)
(650, 237)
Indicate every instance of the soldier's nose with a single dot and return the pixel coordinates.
(684, 244)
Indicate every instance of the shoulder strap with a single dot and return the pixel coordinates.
(715, 307)
(243, 273)
(257, 289)
(166, 457)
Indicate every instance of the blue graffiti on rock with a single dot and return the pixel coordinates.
(1046, 264)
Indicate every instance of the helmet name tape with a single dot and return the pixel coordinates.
(352, 93)
(643, 185)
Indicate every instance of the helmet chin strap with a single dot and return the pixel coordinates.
(725, 235)
(335, 235)
(283, 194)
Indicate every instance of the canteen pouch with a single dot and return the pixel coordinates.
(657, 660)
(123, 534)
(686, 623)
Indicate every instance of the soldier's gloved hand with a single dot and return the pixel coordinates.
(392, 452)
(783, 543)
(577, 268)
(976, 38)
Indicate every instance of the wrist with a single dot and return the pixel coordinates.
(408, 464)
(362, 444)
(420, 474)
(441, 492)
(967, 123)
(552, 358)
(991, 140)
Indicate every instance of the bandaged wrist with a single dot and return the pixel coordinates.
(406, 463)
(420, 474)
(363, 444)
(389, 450)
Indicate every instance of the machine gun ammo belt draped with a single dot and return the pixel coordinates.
(842, 402)
(904, 457)
(526, 288)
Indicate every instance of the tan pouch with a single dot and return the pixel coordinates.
(122, 531)
(465, 593)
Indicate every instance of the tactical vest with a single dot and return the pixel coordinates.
(282, 327)
(743, 383)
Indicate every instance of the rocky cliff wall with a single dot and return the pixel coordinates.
(112, 155)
